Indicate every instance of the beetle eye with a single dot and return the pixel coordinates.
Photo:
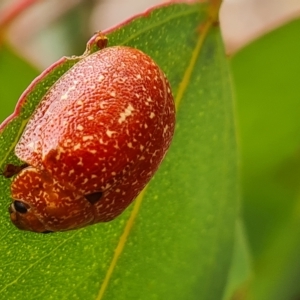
(20, 207)
(94, 197)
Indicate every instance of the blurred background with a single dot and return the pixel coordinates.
(45, 23)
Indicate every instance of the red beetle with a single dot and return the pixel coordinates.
(93, 143)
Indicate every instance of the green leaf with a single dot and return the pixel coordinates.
(266, 74)
(176, 239)
(15, 75)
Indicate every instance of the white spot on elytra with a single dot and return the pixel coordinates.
(129, 145)
(126, 113)
(152, 115)
(77, 146)
(87, 138)
(109, 133)
(67, 142)
(66, 94)
(107, 186)
(79, 127)
(100, 78)
(32, 146)
(113, 94)
(90, 118)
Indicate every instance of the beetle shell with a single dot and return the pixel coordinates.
(93, 143)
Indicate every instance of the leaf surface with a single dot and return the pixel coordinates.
(175, 241)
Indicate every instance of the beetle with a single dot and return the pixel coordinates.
(94, 141)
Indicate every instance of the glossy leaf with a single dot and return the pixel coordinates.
(176, 240)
